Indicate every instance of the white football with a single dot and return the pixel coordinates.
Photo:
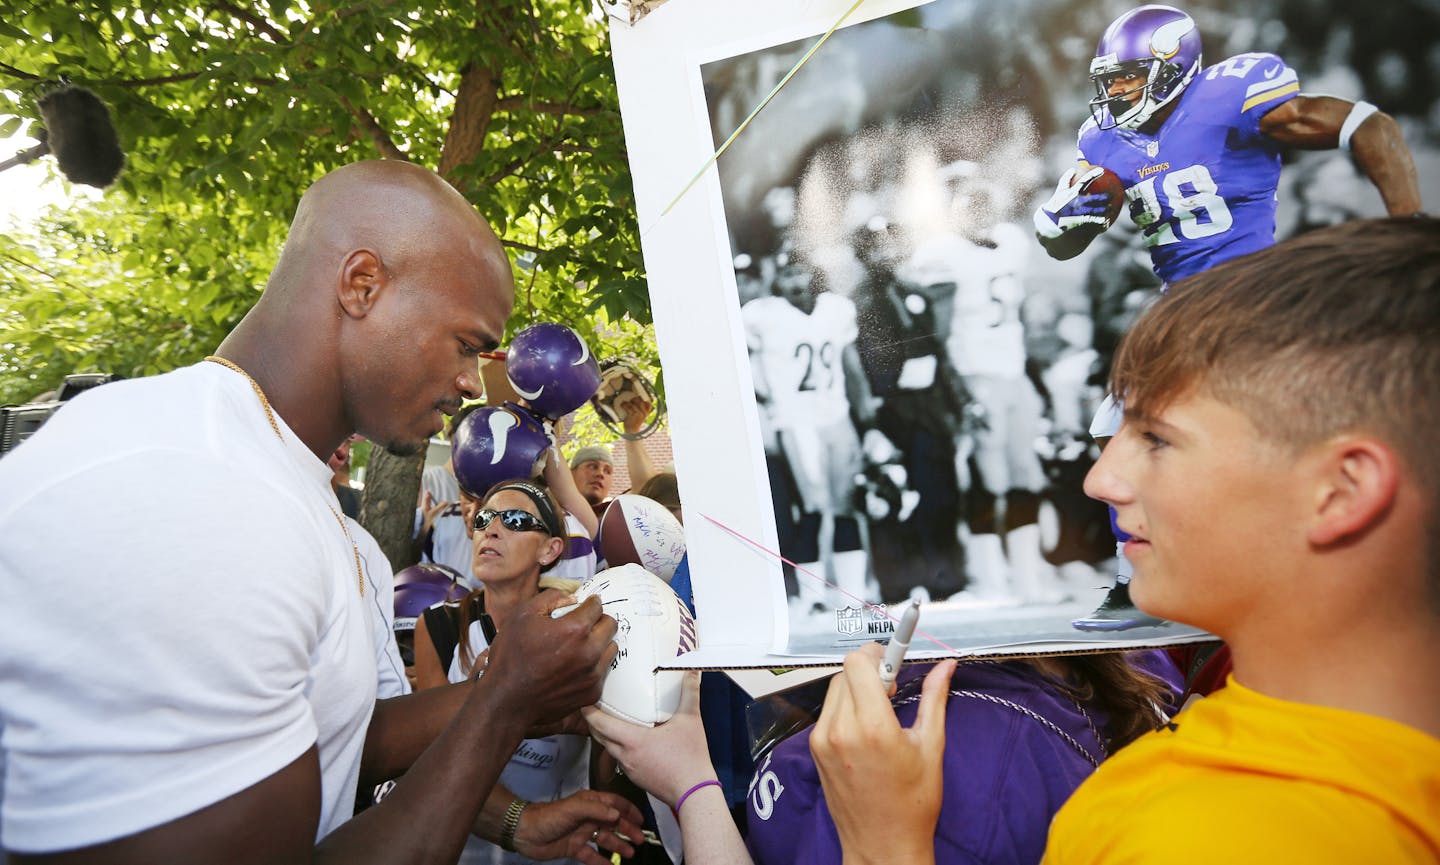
(636, 530)
(654, 625)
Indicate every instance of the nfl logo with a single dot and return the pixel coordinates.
(847, 621)
(1152, 148)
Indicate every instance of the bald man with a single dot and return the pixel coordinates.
(213, 700)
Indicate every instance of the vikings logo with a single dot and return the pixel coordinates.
(501, 422)
(1165, 43)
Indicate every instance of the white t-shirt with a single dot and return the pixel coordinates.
(450, 537)
(182, 613)
(450, 543)
(380, 601)
(540, 770)
(440, 483)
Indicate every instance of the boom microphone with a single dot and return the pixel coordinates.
(79, 131)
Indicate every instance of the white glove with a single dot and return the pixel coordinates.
(1068, 209)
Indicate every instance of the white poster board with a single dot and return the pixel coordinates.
(916, 96)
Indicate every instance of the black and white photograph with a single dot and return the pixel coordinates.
(936, 243)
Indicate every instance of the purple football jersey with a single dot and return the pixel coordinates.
(1202, 188)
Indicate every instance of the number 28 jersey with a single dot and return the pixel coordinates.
(1202, 188)
(801, 355)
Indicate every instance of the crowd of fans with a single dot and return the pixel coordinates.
(241, 694)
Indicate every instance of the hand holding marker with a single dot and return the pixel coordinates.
(899, 643)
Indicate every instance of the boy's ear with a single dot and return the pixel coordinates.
(1359, 478)
(362, 275)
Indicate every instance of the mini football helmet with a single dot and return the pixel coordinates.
(620, 382)
(552, 368)
(1159, 44)
(421, 586)
(497, 444)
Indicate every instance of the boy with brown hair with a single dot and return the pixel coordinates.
(1278, 474)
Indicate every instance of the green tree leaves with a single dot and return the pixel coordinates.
(228, 111)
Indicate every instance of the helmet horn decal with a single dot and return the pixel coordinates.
(584, 355)
(501, 422)
(1165, 43)
(527, 394)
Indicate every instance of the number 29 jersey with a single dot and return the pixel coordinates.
(1202, 187)
(801, 355)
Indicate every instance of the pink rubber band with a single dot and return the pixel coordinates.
(687, 793)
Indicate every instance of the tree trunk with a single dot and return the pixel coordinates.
(392, 484)
(387, 508)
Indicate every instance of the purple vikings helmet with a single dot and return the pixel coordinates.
(417, 588)
(497, 444)
(421, 586)
(551, 367)
(1158, 42)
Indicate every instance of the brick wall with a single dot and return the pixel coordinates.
(657, 447)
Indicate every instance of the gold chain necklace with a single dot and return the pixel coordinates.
(270, 416)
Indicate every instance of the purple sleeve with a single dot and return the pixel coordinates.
(1256, 84)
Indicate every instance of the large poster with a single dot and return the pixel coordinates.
(854, 310)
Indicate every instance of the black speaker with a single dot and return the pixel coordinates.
(19, 422)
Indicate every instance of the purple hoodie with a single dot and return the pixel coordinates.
(1006, 771)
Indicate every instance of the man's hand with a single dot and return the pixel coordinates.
(1068, 209)
(543, 668)
(564, 829)
(430, 512)
(882, 782)
(636, 409)
(572, 724)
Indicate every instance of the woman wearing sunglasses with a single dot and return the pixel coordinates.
(516, 535)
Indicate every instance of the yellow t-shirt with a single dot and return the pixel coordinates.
(1240, 777)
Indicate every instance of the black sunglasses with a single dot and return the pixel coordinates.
(514, 519)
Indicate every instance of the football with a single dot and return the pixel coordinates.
(1109, 185)
(635, 530)
(654, 625)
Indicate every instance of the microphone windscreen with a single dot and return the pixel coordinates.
(82, 136)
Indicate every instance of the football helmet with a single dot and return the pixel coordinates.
(621, 381)
(552, 368)
(420, 587)
(497, 444)
(1158, 43)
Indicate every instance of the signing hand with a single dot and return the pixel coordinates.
(544, 668)
(882, 782)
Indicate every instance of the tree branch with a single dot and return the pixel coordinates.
(555, 144)
(513, 103)
(25, 76)
(362, 7)
(378, 136)
(58, 280)
(593, 263)
(279, 37)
